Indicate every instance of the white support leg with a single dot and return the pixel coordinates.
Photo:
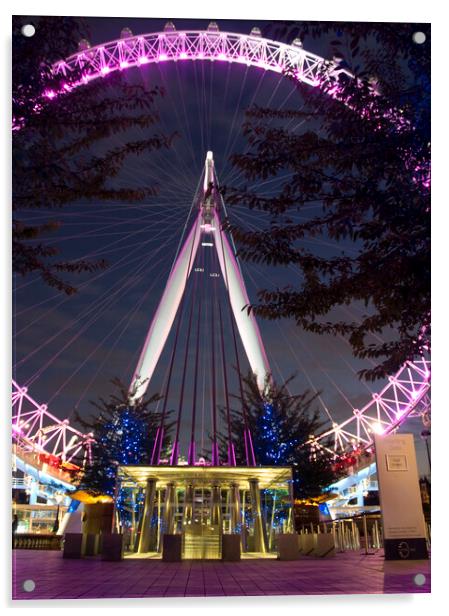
(246, 323)
(165, 314)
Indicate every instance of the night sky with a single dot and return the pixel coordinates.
(66, 349)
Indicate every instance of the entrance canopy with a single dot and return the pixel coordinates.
(268, 477)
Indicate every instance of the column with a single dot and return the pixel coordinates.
(115, 514)
(259, 538)
(169, 509)
(133, 518)
(244, 532)
(215, 510)
(145, 530)
(291, 517)
(188, 505)
(234, 501)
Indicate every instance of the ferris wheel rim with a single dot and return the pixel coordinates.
(184, 45)
(260, 52)
(411, 399)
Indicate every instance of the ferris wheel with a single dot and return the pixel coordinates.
(406, 393)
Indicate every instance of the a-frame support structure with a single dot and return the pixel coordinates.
(207, 223)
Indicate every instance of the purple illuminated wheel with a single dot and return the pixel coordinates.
(405, 394)
(210, 44)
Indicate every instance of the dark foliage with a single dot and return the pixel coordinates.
(61, 153)
(361, 165)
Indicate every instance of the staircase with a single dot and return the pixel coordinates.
(202, 542)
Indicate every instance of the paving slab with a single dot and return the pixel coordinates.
(347, 573)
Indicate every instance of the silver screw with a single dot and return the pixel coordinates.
(419, 579)
(28, 30)
(29, 585)
(419, 38)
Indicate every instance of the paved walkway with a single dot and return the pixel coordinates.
(347, 573)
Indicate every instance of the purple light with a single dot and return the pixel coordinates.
(162, 57)
(332, 91)
(50, 94)
(183, 55)
(124, 64)
(16, 428)
(143, 60)
(221, 56)
(105, 70)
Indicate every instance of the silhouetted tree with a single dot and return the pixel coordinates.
(60, 143)
(358, 174)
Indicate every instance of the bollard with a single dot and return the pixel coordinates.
(341, 538)
(381, 537)
(373, 536)
(357, 537)
(376, 534)
(345, 536)
(73, 545)
(300, 537)
(308, 543)
(324, 546)
(334, 534)
(365, 532)
(112, 547)
(348, 537)
(231, 547)
(354, 536)
(287, 546)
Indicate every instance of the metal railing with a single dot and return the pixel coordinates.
(362, 532)
(25, 541)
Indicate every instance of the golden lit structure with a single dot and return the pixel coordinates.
(89, 499)
(202, 503)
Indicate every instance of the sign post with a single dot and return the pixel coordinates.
(400, 498)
